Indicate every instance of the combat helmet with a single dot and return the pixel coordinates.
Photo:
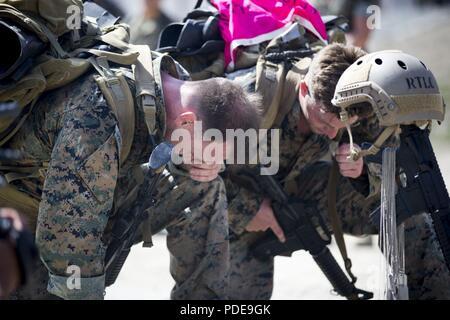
(399, 87)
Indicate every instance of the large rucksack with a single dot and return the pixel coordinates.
(53, 53)
(44, 52)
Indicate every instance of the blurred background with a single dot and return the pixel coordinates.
(418, 27)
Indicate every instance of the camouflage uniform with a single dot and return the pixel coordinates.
(305, 175)
(75, 132)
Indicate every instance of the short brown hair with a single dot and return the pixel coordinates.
(326, 69)
(224, 104)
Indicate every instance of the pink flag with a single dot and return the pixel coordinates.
(249, 22)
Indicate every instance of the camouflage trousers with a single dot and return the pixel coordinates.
(74, 131)
(428, 275)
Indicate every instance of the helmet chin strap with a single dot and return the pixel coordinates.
(356, 153)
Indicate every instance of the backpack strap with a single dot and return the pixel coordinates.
(118, 95)
(113, 37)
(126, 58)
(291, 87)
(146, 94)
(280, 100)
(8, 135)
(334, 219)
(145, 82)
(60, 52)
(269, 83)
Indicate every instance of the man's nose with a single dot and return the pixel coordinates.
(331, 133)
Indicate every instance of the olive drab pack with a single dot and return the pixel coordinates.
(46, 54)
(279, 70)
(67, 56)
(51, 14)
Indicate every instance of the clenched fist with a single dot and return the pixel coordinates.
(347, 166)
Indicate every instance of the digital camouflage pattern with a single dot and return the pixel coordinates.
(305, 175)
(75, 132)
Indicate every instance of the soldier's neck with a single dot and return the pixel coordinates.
(303, 125)
(177, 99)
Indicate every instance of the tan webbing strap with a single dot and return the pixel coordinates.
(291, 88)
(14, 176)
(145, 82)
(20, 173)
(118, 95)
(287, 85)
(145, 86)
(54, 42)
(270, 75)
(25, 170)
(19, 125)
(376, 146)
(127, 58)
(111, 39)
(335, 221)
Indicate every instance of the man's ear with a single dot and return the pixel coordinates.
(185, 119)
(304, 90)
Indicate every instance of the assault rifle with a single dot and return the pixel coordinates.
(304, 230)
(126, 228)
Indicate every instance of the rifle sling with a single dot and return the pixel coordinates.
(335, 221)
